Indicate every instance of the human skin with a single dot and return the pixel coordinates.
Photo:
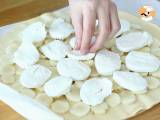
(84, 14)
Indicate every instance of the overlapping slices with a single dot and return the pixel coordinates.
(58, 86)
(79, 109)
(113, 100)
(107, 62)
(100, 109)
(35, 32)
(73, 68)
(142, 62)
(125, 26)
(60, 29)
(26, 55)
(130, 80)
(95, 90)
(35, 76)
(60, 106)
(76, 54)
(55, 50)
(133, 41)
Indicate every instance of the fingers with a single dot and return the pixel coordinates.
(104, 27)
(89, 18)
(77, 23)
(115, 23)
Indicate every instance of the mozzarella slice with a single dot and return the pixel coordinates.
(107, 62)
(125, 26)
(60, 29)
(73, 41)
(35, 32)
(142, 62)
(113, 100)
(26, 55)
(95, 90)
(130, 80)
(133, 41)
(55, 50)
(76, 54)
(73, 68)
(80, 109)
(35, 76)
(58, 86)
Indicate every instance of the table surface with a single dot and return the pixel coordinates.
(16, 10)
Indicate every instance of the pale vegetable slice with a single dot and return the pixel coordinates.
(28, 92)
(44, 99)
(80, 109)
(133, 41)
(7, 79)
(35, 76)
(76, 54)
(17, 86)
(142, 62)
(73, 41)
(58, 86)
(95, 90)
(35, 32)
(107, 62)
(74, 94)
(60, 106)
(55, 50)
(113, 100)
(60, 29)
(125, 26)
(26, 55)
(127, 97)
(152, 82)
(100, 109)
(73, 68)
(130, 80)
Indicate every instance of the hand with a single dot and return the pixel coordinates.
(84, 14)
